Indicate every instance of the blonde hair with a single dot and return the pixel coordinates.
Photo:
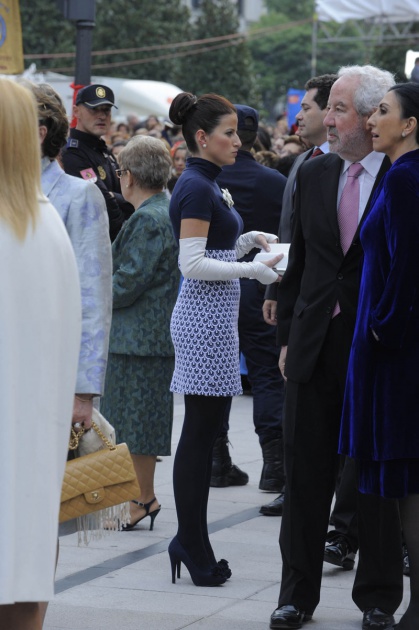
(20, 157)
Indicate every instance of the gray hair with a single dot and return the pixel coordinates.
(148, 161)
(373, 84)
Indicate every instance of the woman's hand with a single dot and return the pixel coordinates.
(82, 412)
(263, 240)
(271, 264)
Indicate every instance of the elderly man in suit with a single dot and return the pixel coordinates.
(317, 302)
(311, 129)
(342, 541)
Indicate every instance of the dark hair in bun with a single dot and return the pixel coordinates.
(198, 113)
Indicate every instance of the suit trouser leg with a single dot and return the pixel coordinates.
(258, 344)
(311, 430)
(344, 514)
(379, 576)
(310, 467)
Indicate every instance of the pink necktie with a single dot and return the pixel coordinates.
(348, 211)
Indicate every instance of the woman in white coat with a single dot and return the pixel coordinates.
(40, 316)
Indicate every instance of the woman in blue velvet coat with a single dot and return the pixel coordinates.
(380, 425)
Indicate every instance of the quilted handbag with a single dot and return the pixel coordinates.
(98, 480)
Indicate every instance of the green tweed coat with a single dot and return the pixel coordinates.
(145, 281)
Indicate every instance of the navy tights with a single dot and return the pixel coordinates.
(192, 472)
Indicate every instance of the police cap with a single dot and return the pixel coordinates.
(95, 95)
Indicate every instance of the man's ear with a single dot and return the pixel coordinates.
(43, 130)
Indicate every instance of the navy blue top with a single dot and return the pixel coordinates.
(198, 196)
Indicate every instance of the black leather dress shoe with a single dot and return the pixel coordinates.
(377, 619)
(338, 552)
(289, 617)
(274, 508)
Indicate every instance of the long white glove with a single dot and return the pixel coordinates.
(194, 264)
(246, 242)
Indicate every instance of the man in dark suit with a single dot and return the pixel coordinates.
(317, 302)
(313, 132)
(257, 193)
(342, 541)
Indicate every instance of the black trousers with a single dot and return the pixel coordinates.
(345, 512)
(258, 344)
(311, 431)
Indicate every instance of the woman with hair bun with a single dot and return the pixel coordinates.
(204, 320)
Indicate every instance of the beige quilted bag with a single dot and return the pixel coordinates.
(98, 480)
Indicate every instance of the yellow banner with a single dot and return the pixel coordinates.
(11, 49)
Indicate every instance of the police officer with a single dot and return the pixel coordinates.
(87, 155)
(257, 193)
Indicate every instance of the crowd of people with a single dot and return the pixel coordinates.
(143, 282)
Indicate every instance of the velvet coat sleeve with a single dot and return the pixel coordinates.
(399, 301)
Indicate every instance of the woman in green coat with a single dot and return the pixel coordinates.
(137, 399)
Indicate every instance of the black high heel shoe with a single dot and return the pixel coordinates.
(224, 566)
(211, 576)
(147, 507)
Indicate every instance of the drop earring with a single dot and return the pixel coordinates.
(403, 134)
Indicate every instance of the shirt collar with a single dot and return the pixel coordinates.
(371, 163)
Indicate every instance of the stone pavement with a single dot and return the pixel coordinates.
(124, 581)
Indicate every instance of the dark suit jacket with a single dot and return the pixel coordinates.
(318, 272)
(287, 214)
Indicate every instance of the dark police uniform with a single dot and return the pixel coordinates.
(257, 194)
(88, 157)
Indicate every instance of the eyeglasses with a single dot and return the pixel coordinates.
(120, 171)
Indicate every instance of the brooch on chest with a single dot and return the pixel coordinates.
(227, 198)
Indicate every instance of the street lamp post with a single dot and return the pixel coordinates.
(82, 12)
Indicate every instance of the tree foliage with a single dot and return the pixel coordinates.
(125, 24)
(120, 24)
(283, 55)
(45, 31)
(225, 67)
(393, 57)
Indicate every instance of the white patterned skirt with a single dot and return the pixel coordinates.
(205, 335)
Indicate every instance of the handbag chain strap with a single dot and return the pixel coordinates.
(76, 436)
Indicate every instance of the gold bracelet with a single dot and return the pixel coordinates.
(84, 399)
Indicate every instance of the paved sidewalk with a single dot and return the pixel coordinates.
(123, 582)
